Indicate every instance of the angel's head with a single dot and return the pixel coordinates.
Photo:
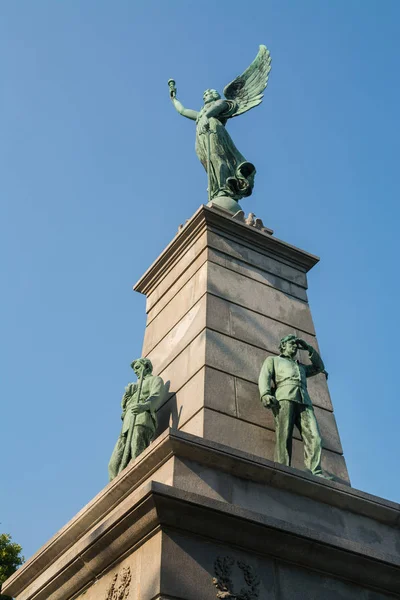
(210, 96)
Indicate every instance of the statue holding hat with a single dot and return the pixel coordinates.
(283, 389)
(139, 404)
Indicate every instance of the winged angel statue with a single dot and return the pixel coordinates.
(230, 175)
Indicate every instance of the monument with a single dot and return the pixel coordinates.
(204, 511)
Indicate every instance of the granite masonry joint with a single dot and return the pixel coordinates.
(274, 253)
(257, 312)
(209, 219)
(247, 263)
(251, 279)
(171, 255)
(181, 317)
(223, 226)
(221, 412)
(175, 391)
(177, 290)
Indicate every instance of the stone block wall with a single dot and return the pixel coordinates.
(218, 301)
(174, 566)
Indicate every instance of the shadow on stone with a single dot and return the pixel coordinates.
(168, 415)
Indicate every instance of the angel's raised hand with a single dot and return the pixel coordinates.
(172, 88)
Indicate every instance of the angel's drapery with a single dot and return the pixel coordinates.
(230, 174)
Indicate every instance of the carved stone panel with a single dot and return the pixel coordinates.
(224, 569)
(119, 588)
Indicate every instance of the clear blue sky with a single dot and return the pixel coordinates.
(97, 171)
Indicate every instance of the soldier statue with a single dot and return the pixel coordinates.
(283, 389)
(139, 404)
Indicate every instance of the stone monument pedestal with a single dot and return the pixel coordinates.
(191, 514)
(219, 299)
(204, 512)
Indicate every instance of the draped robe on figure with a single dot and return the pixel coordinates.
(142, 426)
(230, 174)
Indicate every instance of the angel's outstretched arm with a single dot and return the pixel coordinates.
(185, 112)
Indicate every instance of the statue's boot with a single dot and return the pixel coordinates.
(324, 476)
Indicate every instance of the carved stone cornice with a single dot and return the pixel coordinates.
(129, 510)
(217, 221)
(157, 506)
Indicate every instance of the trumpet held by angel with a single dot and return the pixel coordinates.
(229, 173)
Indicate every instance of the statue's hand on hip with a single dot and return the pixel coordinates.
(269, 401)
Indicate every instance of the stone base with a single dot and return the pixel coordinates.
(203, 513)
(190, 516)
(226, 203)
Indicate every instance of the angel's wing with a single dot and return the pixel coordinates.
(246, 90)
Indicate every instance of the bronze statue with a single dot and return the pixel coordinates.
(139, 421)
(283, 389)
(230, 175)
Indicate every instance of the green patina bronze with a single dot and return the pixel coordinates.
(283, 389)
(139, 404)
(230, 175)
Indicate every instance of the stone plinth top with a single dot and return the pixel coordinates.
(220, 222)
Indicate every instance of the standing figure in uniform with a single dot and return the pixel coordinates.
(139, 422)
(283, 389)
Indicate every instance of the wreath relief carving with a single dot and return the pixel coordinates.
(223, 568)
(119, 588)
